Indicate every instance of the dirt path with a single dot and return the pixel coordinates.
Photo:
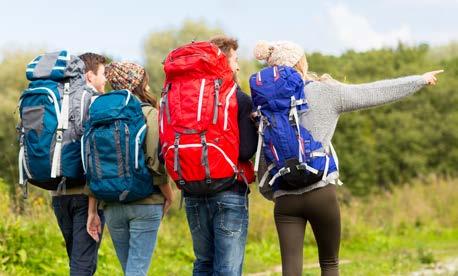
(449, 267)
(277, 269)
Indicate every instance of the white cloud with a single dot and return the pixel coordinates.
(354, 31)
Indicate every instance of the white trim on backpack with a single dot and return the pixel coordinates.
(55, 160)
(35, 60)
(65, 106)
(93, 98)
(225, 156)
(326, 168)
(22, 166)
(83, 158)
(295, 115)
(226, 108)
(137, 144)
(266, 174)
(161, 115)
(61, 68)
(20, 157)
(54, 100)
(260, 140)
(280, 172)
(67, 57)
(61, 126)
(55, 167)
(201, 95)
(82, 105)
(129, 94)
(336, 161)
(334, 154)
(185, 146)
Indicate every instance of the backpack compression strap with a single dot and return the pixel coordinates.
(62, 125)
(260, 139)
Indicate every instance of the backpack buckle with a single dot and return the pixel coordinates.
(59, 136)
(301, 167)
(284, 171)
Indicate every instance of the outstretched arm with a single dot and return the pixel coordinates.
(352, 97)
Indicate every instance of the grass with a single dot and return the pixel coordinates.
(387, 233)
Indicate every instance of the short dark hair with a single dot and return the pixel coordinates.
(92, 61)
(225, 43)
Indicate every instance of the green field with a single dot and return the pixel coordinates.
(385, 233)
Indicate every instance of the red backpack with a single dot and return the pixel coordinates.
(198, 127)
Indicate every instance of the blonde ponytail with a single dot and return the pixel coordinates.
(302, 68)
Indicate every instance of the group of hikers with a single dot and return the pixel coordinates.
(108, 157)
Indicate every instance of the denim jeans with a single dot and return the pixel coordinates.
(218, 225)
(71, 214)
(133, 229)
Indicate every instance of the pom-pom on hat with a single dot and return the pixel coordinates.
(278, 52)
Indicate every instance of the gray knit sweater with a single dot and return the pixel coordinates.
(327, 100)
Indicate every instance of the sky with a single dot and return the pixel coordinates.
(119, 28)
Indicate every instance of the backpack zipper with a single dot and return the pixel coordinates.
(216, 101)
(127, 138)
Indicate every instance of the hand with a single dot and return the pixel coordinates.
(430, 77)
(166, 208)
(94, 226)
(169, 196)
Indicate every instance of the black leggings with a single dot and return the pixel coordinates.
(319, 207)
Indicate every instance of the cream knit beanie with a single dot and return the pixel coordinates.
(278, 52)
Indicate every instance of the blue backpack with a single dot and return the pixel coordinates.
(295, 159)
(112, 148)
(52, 110)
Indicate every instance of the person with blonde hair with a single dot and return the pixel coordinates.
(326, 99)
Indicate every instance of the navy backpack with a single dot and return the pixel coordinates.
(52, 110)
(294, 158)
(112, 148)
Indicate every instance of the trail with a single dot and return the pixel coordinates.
(448, 267)
(277, 269)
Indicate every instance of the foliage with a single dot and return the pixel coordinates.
(383, 234)
(376, 147)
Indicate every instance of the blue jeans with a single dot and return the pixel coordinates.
(133, 229)
(218, 225)
(71, 214)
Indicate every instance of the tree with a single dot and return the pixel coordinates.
(12, 82)
(159, 44)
